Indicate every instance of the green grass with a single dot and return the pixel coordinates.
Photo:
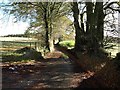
(65, 56)
(69, 44)
(8, 53)
(13, 57)
(15, 44)
(114, 50)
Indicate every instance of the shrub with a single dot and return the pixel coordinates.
(32, 54)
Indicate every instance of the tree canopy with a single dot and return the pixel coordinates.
(90, 19)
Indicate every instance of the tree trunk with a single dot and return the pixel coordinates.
(47, 31)
(90, 27)
(48, 27)
(78, 30)
(90, 18)
(95, 20)
(100, 23)
(51, 42)
(89, 40)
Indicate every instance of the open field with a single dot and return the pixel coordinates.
(13, 43)
(19, 39)
(8, 46)
(115, 49)
(8, 50)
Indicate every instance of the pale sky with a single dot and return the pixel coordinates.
(7, 25)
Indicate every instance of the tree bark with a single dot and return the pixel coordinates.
(47, 31)
(78, 30)
(51, 42)
(89, 40)
(90, 19)
(95, 21)
(100, 23)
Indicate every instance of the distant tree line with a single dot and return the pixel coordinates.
(16, 35)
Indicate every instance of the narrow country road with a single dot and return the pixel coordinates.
(58, 74)
(52, 73)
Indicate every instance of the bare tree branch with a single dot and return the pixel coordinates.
(108, 5)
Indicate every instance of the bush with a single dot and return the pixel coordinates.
(24, 50)
(32, 54)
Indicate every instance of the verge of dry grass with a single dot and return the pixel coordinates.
(106, 74)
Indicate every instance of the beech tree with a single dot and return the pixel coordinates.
(39, 14)
(89, 19)
(89, 23)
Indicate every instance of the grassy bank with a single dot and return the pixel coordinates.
(69, 44)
